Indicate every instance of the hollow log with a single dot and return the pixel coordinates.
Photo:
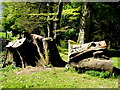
(76, 57)
(79, 52)
(90, 56)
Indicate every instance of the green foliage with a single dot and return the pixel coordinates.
(63, 53)
(64, 44)
(71, 17)
(17, 18)
(9, 36)
(69, 35)
(103, 21)
(36, 17)
(101, 74)
(2, 35)
(9, 68)
(70, 68)
(115, 56)
(116, 62)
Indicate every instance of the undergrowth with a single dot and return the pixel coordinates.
(103, 74)
(9, 68)
(100, 74)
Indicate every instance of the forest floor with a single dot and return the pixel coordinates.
(54, 77)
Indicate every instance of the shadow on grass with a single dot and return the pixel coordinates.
(116, 71)
(111, 53)
(100, 73)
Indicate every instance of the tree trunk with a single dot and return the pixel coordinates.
(6, 34)
(59, 13)
(84, 24)
(45, 26)
(57, 24)
(51, 53)
(34, 50)
(51, 21)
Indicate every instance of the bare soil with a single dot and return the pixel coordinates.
(29, 70)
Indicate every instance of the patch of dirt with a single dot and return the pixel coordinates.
(29, 70)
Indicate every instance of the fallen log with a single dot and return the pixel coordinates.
(90, 56)
(94, 64)
(80, 52)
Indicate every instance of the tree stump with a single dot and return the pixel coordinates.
(34, 50)
(51, 53)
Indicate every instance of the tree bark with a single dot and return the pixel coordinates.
(51, 21)
(90, 56)
(35, 50)
(51, 53)
(84, 24)
(58, 24)
(5, 58)
(94, 64)
(59, 12)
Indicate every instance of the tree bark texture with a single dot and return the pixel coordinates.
(84, 24)
(90, 56)
(94, 64)
(58, 24)
(35, 50)
(51, 53)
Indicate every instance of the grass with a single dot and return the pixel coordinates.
(116, 61)
(54, 78)
(63, 53)
(57, 77)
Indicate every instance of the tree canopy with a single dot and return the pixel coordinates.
(98, 20)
